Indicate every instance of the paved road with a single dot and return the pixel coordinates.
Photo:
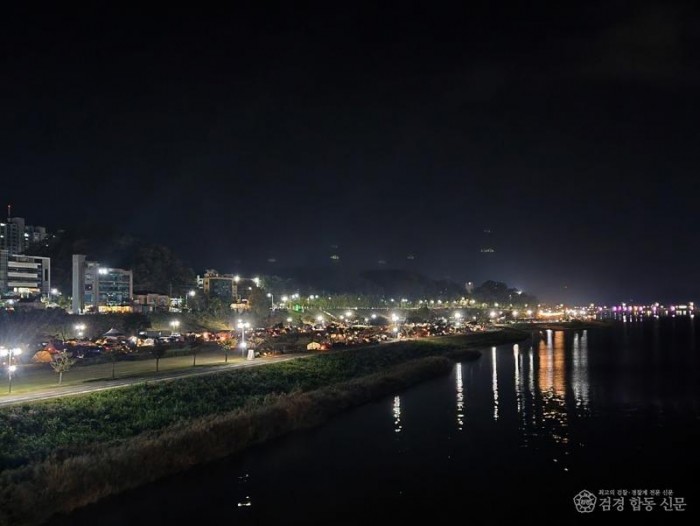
(57, 391)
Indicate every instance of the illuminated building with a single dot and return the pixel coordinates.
(15, 236)
(100, 289)
(23, 275)
(226, 286)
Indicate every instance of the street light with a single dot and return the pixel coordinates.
(243, 326)
(190, 294)
(11, 368)
(395, 319)
(272, 300)
(174, 324)
(80, 328)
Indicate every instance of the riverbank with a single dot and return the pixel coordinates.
(67, 453)
(574, 325)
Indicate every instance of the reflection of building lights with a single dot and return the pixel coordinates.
(460, 397)
(396, 410)
(494, 383)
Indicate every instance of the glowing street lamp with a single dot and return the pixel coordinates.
(174, 324)
(272, 300)
(80, 329)
(243, 326)
(11, 368)
(395, 319)
(190, 294)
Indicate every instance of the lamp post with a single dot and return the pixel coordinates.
(272, 300)
(189, 294)
(243, 326)
(11, 368)
(174, 324)
(80, 329)
(395, 319)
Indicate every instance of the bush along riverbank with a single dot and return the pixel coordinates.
(59, 455)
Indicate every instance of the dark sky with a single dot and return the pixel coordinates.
(568, 130)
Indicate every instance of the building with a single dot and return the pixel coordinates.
(151, 302)
(222, 286)
(16, 236)
(97, 288)
(34, 234)
(226, 286)
(23, 275)
(12, 235)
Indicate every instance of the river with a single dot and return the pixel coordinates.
(514, 435)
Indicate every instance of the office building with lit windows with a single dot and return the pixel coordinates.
(24, 276)
(98, 288)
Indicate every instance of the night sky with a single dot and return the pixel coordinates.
(570, 132)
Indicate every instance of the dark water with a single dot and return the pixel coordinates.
(514, 435)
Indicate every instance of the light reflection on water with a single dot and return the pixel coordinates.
(396, 411)
(494, 381)
(459, 383)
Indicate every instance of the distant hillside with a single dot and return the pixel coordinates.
(155, 267)
(385, 282)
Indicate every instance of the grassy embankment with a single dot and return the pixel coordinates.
(59, 455)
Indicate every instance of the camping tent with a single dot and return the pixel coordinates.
(313, 346)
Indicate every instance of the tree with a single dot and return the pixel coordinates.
(135, 322)
(194, 347)
(61, 363)
(114, 352)
(158, 351)
(228, 345)
(259, 304)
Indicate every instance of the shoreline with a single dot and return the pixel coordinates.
(563, 325)
(66, 480)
